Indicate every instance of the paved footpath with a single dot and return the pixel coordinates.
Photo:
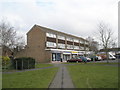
(62, 78)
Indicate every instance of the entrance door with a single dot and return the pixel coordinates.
(58, 56)
(53, 56)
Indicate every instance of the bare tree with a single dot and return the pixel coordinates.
(93, 45)
(9, 38)
(105, 36)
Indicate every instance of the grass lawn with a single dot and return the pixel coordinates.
(91, 63)
(93, 76)
(0, 80)
(41, 65)
(37, 65)
(29, 79)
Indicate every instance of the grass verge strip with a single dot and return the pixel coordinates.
(92, 76)
(30, 79)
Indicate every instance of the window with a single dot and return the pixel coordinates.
(81, 48)
(70, 39)
(51, 44)
(51, 35)
(70, 46)
(81, 41)
(76, 40)
(61, 45)
(87, 48)
(87, 43)
(76, 47)
(61, 37)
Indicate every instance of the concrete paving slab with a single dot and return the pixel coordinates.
(62, 78)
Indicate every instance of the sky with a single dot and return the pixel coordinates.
(76, 17)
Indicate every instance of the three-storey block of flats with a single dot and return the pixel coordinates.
(47, 45)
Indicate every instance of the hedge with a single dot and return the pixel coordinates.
(24, 63)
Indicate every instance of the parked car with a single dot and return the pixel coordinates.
(94, 58)
(88, 59)
(76, 59)
(112, 57)
(84, 59)
(104, 56)
(99, 58)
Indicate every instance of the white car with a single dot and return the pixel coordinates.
(88, 59)
(99, 58)
(111, 57)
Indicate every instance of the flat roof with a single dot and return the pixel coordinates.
(57, 32)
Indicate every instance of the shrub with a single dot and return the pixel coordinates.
(24, 63)
(5, 60)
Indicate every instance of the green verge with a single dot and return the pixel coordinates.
(29, 79)
(91, 63)
(41, 65)
(93, 76)
(37, 65)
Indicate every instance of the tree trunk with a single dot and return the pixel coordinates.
(107, 56)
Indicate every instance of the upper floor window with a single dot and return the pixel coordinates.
(87, 48)
(87, 43)
(61, 37)
(69, 39)
(60, 45)
(76, 47)
(50, 44)
(70, 46)
(81, 48)
(81, 41)
(51, 35)
(76, 40)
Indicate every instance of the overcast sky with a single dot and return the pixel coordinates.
(77, 17)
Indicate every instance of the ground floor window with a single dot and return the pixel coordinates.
(74, 55)
(56, 56)
(66, 57)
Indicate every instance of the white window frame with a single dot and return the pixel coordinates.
(76, 47)
(81, 48)
(50, 44)
(50, 35)
(69, 39)
(76, 40)
(87, 43)
(60, 45)
(61, 37)
(69, 46)
(82, 42)
(87, 48)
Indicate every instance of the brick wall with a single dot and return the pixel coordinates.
(35, 45)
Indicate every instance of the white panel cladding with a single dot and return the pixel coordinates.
(50, 44)
(69, 39)
(60, 45)
(87, 48)
(61, 37)
(69, 46)
(51, 35)
(76, 47)
(86, 42)
(81, 48)
(82, 42)
(76, 40)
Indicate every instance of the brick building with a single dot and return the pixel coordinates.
(46, 45)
